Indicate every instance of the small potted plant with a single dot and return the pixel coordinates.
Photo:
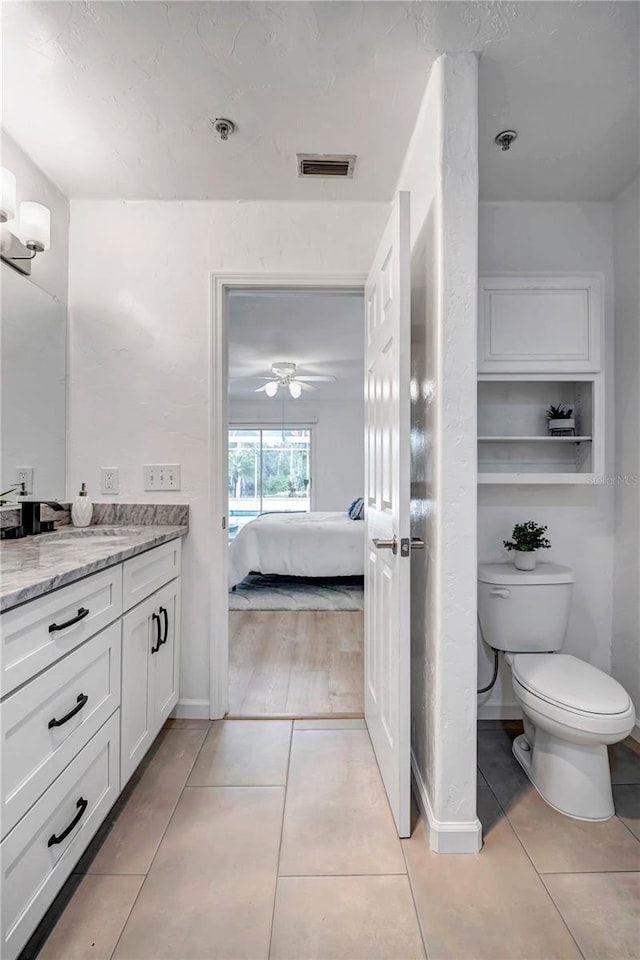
(526, 539)
(560, 421)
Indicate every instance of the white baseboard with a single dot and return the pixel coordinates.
(461, 836)
(635, 733)
(192, 710)
(499, 711)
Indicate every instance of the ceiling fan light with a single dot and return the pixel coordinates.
(271, 388)
(295, 389)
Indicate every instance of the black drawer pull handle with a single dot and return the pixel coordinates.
(163, 611)
(82, 805)
(82, 699)
(156, 620)
(82, 613)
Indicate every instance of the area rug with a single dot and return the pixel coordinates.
(270, 592)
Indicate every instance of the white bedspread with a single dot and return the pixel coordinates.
(298, 545)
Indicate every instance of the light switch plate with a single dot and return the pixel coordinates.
(161, 476)
(25, 475)
(109, 481)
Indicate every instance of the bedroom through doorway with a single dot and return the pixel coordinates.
(295, 483)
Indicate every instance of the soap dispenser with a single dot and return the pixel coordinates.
(82, 509)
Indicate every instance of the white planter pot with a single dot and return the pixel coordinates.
(525, 559)
(565, 424)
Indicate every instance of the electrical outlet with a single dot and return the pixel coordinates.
(109, 481)
(161, 476)
(25, 475)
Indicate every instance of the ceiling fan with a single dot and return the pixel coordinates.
(285, 377)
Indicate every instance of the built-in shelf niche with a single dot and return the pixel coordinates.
(514, 444)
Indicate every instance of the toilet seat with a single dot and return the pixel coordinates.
(572, 693)
(569, 683)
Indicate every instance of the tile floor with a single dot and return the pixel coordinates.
(257, 839)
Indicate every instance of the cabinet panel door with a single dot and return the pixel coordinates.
(47, 721)
(166, 662)
(43, 848)
(540, 324)
(36, 634)
(137, 707)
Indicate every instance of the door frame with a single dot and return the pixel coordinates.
(220, 285)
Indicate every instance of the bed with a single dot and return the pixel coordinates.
(298, 545)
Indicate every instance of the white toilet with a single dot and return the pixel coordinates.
(571, 710)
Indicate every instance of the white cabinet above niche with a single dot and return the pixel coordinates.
(535, 323)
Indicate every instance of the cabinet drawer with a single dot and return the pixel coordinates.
(83, 687)
(33, 868)
(32, 638)
(146, 572)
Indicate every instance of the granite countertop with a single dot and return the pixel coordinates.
(36, 565)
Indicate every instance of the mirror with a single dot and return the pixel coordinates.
(33, 389)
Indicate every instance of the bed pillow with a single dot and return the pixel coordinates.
(356, 510)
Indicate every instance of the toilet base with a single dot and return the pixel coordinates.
(573, 778)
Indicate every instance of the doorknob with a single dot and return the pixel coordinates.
(386, 544)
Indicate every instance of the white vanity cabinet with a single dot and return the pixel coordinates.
(90, 672)
(150, 656)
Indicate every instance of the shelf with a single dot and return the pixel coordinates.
(537, 439)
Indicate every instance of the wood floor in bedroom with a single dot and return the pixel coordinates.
(296, 663)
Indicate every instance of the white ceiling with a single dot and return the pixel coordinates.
(113, 99)
(321, 332)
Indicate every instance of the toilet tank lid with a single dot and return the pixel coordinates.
(506, 573)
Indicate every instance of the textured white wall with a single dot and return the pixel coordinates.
(49, 270)
(338, 443)
(139, 299)
(625, 659)
(559, 237)
(441, 170)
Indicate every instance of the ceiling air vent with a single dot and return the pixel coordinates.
(326, 164)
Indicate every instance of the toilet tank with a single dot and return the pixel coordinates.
(524, 611)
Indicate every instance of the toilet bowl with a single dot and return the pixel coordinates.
(571, 710)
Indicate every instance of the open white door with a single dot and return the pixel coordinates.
(388, 543)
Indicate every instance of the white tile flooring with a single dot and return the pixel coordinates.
(273, 839)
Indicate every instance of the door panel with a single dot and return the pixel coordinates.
(137, 702)
(387, 453)
(166, 661)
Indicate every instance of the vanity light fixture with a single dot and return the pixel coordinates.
(26, 235)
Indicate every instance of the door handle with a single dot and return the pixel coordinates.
(407, 545)
(156, 620)
(82, 613)
(80, 703)
(386, 544)
(165, 615)
(81, 805)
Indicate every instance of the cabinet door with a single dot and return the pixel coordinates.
(139, 633)
(166, 661)
(540, 324)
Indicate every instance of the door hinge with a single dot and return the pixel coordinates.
(224, 523)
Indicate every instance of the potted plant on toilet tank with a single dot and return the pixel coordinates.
(526, 539)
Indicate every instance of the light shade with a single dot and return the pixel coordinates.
(295, 389)
(7, 195)
(271, 388)
(34, 225)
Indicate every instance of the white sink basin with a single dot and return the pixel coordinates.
(112, 534)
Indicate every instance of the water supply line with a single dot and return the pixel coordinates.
(496, 662)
